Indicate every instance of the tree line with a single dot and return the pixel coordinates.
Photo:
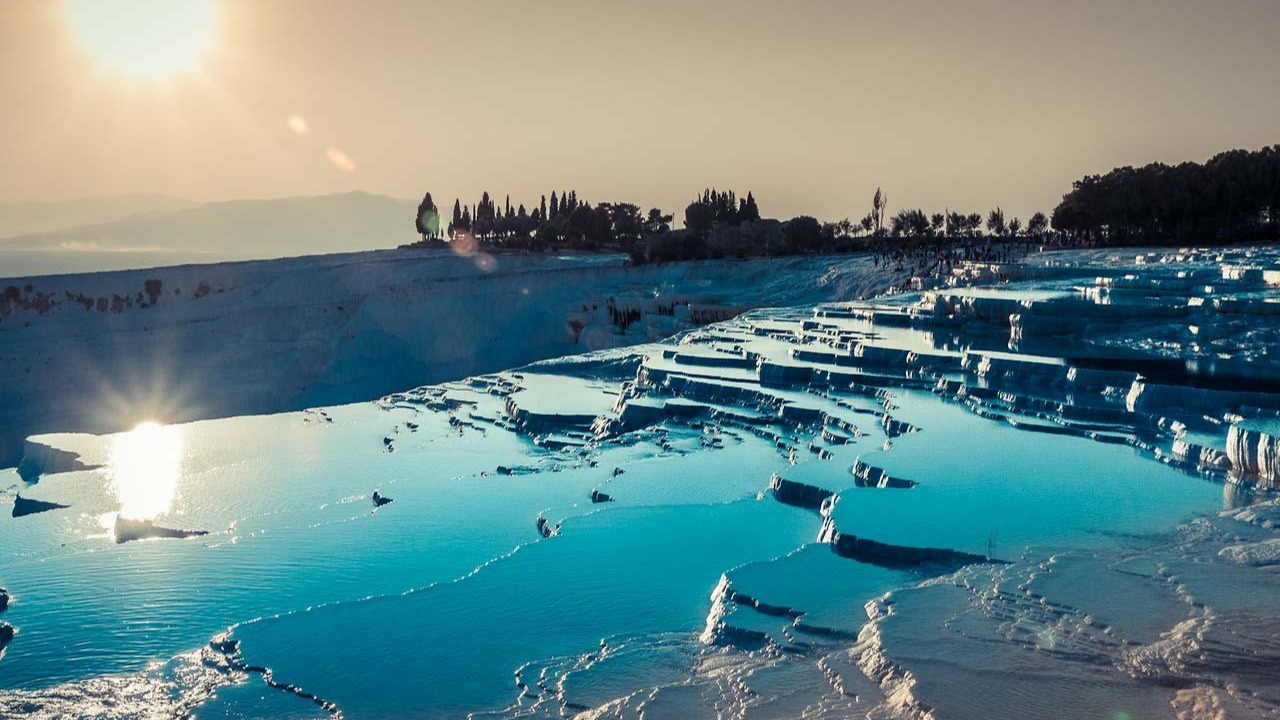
(717, 223)
(561, 221)
(1234, 196)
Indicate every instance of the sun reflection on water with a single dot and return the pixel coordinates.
(144, 469)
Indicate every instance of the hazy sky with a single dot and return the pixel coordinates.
(811, 105)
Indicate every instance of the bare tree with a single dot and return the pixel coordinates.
(878, 204)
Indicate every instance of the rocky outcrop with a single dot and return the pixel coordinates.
(1243, 273)
(41, 459)
(26, 506)
(1010, 371)
(798, 494)
(773, 374)
(896, 682)
(871, 476)
(995, 310)
(127, 530)
(6, 630)
(1099, 379)
(878, 553)
(718, 631)
(872, 551)
(895, 428)
(636, 414)
(723, 360)
(534, 422)
(546, 529)
(801, 414)
(1253, 447)
(1200, 455)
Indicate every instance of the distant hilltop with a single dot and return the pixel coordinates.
(42, 217)
(213, 232)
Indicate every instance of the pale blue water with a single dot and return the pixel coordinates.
(990, 481)
(440, 603)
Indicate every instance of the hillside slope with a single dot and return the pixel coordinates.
(271, 336)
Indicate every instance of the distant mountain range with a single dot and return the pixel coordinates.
(43, 217)
(140, 231)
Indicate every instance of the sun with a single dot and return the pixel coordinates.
(144, 39)
(145, 467)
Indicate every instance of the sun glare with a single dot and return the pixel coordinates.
(144, 468)
(144, 39)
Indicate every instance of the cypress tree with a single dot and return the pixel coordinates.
(751, 212)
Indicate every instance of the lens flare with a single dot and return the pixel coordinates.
(464, 243)
(340, 160)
